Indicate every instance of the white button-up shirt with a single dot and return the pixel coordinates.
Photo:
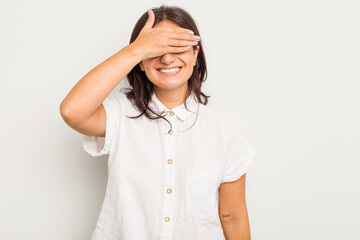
(163, 181)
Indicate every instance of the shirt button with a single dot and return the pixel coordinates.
(169, 161)
(170, 132)
(168, 190)
(171, 113)
(167, 219)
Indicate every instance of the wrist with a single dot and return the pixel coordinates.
(135, 51)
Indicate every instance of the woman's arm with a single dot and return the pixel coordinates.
(238, 230)
(87, 95)
(233, 211)
(91, 90)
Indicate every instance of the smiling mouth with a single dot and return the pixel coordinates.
(170, 68)
(169, 72)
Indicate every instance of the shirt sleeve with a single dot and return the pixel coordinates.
(98, 146)
(240, 155)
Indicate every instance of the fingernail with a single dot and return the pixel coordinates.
(191, 32)
(197, 37)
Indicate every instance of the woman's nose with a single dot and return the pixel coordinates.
(167, 58)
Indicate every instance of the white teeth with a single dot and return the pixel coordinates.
(171, 70)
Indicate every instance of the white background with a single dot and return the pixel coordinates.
(289, 70)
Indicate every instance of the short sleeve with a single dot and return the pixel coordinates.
(240, 155)
(98, 146)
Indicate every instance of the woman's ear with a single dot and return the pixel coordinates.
(196, 54)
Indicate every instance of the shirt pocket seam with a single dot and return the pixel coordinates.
(200, 200)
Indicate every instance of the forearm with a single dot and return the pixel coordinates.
(91, 90)
(237, 230)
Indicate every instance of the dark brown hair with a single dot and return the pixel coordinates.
(141, 87)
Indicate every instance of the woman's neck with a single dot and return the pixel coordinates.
(171, 98)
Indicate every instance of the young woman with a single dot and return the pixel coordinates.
(176, 167)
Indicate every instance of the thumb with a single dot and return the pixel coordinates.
(151, 19)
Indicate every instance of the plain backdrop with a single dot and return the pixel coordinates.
(289, 70)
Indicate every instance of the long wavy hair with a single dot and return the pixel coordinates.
(141, 87)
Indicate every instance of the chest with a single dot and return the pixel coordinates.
(149, 148)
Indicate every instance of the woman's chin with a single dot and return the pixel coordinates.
(169, 85)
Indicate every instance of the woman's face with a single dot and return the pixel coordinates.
(169, 81)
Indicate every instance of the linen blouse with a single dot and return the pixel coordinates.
(163, 181)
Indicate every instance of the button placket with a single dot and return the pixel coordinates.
(169, 176)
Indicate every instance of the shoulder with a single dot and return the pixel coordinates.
(119, 97)
(220, 117)
(118, 103)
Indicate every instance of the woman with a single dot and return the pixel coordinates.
(176, 167)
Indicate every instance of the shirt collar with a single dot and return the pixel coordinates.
(180, 111)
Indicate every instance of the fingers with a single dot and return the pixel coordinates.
(180, 39)
(176, 31)
(184, 36)
(151, 19)
(181, 43)
(179, 49)
(183, 30)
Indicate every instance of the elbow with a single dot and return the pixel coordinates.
(67, 114)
